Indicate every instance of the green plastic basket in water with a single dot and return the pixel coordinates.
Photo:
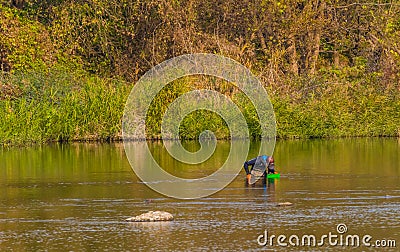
(273, 175)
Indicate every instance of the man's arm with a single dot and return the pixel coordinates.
(250, 162)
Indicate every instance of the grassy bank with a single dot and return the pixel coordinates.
(60, 107)
(339, 108)
(67, 67)
(64, 106)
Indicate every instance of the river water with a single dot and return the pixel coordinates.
(75, 198)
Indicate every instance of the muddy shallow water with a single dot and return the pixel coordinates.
(76, 197)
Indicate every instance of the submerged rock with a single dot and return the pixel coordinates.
(152, 216)
(284, 203)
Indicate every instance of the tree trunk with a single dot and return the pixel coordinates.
(18, 3)
(292, 53)
(315, 39)
(262, 41)
(314, 53)
(336, 61)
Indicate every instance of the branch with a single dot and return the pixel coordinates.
(373, 4)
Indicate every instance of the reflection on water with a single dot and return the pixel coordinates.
(76, 197)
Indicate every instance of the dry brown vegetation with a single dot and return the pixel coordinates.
(330, 66)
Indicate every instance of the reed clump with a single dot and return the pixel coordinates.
(64, 106)
(61, 107)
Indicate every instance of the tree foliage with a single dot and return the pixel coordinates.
(276, 38)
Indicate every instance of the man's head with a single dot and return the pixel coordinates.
(271, 165)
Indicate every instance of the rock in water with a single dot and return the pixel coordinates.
(284, 204)
(152, 216)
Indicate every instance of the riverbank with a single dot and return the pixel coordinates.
(66, 68)
(60, 106)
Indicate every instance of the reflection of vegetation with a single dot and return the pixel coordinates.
(332, 67)
(357, 156)
(61, 163)
(188, 171)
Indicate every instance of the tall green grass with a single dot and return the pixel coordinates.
(61, 107)
(57, 105)
(341, 109)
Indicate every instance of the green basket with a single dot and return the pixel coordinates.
(273, 175)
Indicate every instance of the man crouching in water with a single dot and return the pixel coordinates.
(268, 161)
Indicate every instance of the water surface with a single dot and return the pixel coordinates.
(76, 197)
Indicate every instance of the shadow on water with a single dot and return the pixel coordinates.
(76, 197)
